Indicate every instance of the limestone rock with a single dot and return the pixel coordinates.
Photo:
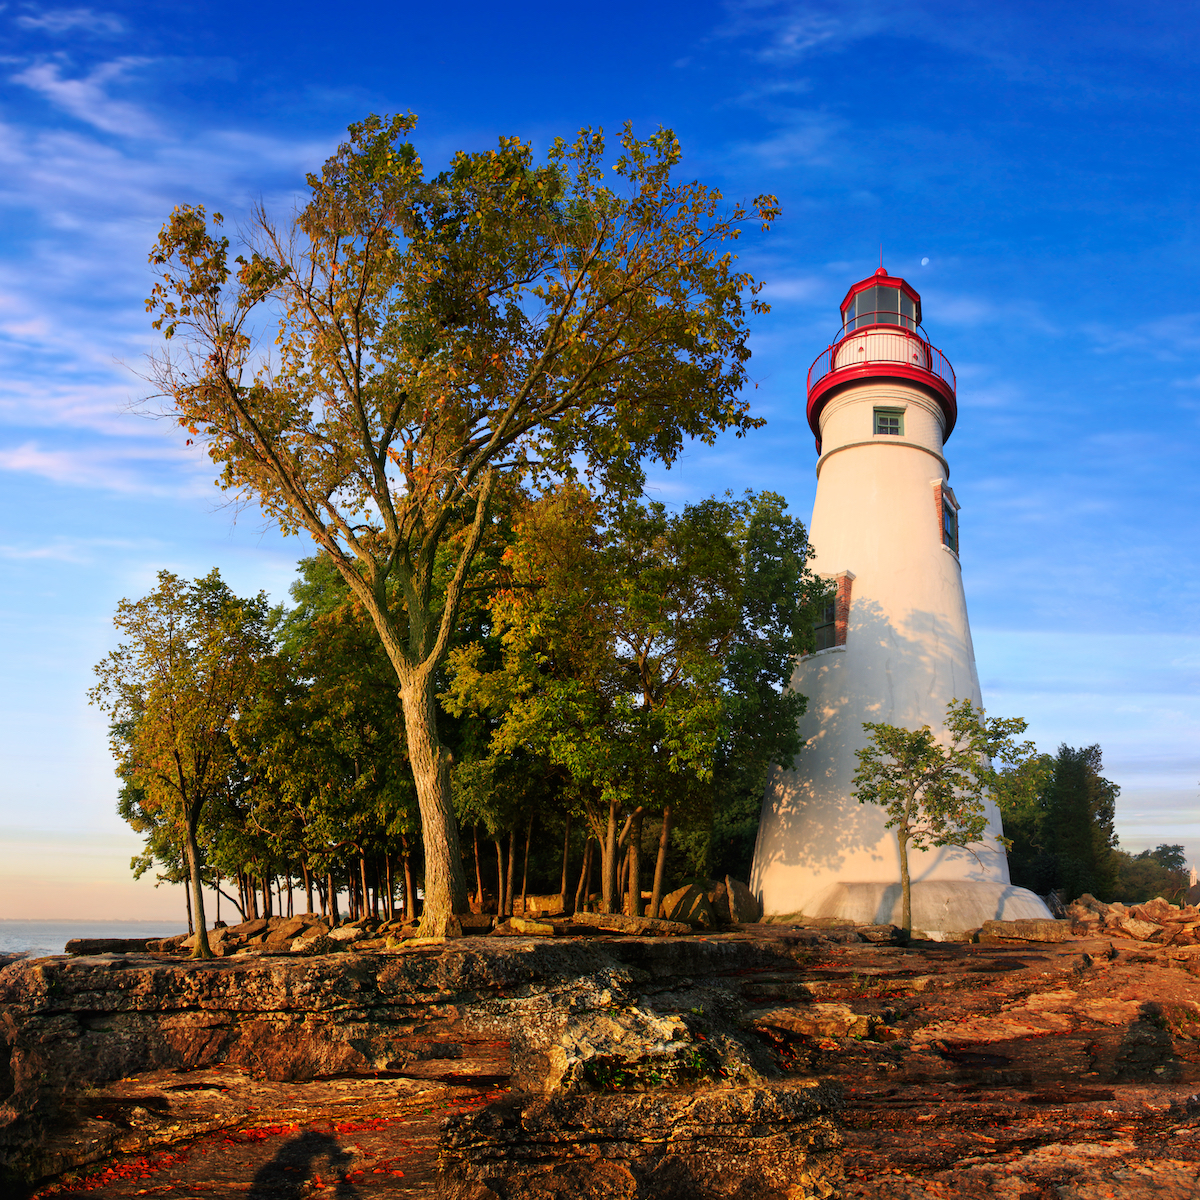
(287, 931)
(531, 928)
(820, 1020)
(718, 901)
(347, 933)
(734, 1142)
(884, 935)
(690, 905)
(1029, 929)
(1131, 927)
(108, 945)
(634, 926)
(744, 908)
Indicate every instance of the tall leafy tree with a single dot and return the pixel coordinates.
(440, 337)
(933, 794)
(174, 687)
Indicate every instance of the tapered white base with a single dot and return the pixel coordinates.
(938, 905)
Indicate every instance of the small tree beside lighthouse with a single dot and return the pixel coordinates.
(934, 795)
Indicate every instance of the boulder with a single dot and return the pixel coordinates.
(718, 901)
(744, 908)
(531, 928)
(690, 905)
(1028, 929)
(287, 931)
(632, 926)
(1156, 910)
(347, 933)
(820, 1020)
(1131, 927)
(107, 945)
(892, 935)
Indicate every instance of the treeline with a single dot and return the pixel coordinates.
(1064, 840)
(613, 699)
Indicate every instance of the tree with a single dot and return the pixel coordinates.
(440, 338)
(174, 688)
(933, 794)
(1079, 829)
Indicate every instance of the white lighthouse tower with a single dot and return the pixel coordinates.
(894, 646)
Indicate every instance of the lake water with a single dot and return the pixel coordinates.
(39, 938)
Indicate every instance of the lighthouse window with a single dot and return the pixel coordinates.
(825, 628)
(889, 420)
(949, 525)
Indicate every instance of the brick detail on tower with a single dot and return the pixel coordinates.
(841, 612)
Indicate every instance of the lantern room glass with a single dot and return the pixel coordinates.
(880, 305)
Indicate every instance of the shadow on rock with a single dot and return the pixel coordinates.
(287, 1175)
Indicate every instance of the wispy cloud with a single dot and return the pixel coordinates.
(785, 32)
(120, 470)
(72, 550)
(87, 98)
(71, 20)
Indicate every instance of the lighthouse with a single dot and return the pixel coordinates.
(893, 645)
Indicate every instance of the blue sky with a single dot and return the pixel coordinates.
(1045, 164)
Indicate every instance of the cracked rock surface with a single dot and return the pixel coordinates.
(761, 1062)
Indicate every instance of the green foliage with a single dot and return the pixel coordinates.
(1062, 831)
(934, 794)
(175, 688)
(1158, 872)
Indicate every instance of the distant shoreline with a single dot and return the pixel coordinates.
(90, 921)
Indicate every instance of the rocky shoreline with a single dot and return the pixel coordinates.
(761, 1060)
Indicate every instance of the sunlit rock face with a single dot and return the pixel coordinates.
(885, 530)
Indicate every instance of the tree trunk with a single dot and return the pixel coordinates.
(634, 906)
(525, 869)
(391, 888)
(288, 877)
(187, 899)
(510, 877)
(608, 862)
(584, 872)
(445, 882)
(333, 905)
(478, 871)
(307, 883)
(362, 871)
(499, 879)
(562, 891)
(202, 950)
(905, 885)
(410, 895)
(660, 864)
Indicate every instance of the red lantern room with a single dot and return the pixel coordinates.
(881, 338)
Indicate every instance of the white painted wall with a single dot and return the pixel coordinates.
(908, 653)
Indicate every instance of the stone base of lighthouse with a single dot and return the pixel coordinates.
(821, 854)
(938, 906)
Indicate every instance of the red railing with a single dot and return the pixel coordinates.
(935, 362)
